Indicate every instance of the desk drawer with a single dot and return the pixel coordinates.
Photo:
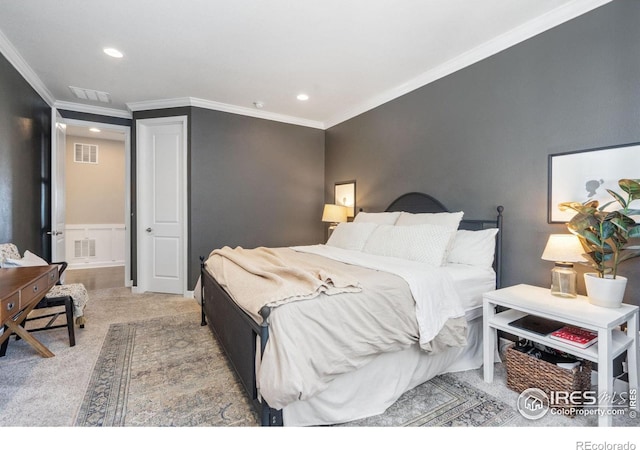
(9, 307)
(53, 277)
(36, 289)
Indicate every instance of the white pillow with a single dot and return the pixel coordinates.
(382, 218)
(350, 235)
(450, 220)
(424, 243)
(474, 248)
(29, 259)
(445, 219)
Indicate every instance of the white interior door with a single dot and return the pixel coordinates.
(161, 185)
(58, 154)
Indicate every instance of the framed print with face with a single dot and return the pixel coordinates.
(586, 175)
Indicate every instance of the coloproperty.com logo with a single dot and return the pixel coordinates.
(534, 403)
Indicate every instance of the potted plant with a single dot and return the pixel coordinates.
(605, 237)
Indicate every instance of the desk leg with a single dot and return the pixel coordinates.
(605, 376)
(14, 326)
(489, 340)
(632, 358)
(4, 340)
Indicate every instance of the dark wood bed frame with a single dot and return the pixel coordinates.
(237, 332)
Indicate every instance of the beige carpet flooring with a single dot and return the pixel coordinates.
(36, 391)
(48, 392)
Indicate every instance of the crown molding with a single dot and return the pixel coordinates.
(509, 39)
(90, 109)
(224, 107)
(18, 62)
(159, 104)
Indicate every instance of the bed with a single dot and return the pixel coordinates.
(385, 346)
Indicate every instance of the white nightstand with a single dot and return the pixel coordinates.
(523, 299)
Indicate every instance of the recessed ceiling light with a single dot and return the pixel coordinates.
(113, 52)
(94, 130)
(302, 97)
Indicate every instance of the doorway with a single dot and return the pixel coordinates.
(96, 205)
(161, 185)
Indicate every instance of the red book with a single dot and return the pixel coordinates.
(572, 335)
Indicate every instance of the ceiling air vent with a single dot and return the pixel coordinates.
(91, 94)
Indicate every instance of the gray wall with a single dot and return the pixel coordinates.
(25, 142)
(481, 137)
(253, 182)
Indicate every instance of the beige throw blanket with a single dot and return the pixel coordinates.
(275, 278)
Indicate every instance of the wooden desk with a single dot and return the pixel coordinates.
(21, 288)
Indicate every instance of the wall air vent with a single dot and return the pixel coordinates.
(85, 248)
(91, 94)
(85, 153)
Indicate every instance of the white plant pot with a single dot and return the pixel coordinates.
(607, 291)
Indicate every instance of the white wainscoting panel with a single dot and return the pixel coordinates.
(95, 245)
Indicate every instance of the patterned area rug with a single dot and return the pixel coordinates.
(443, 401)
(163, 372)
(170, 371)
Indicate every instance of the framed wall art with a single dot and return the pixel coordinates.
(345, 195)
(586, 175)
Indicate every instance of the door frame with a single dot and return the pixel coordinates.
(142, 273)
(57, 122)
(127, 191)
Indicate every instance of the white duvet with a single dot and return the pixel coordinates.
(313, 341)
(436, 299)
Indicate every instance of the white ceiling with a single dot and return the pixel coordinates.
(107, 134)
(347, 55)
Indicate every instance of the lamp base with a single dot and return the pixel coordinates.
(564, 294)
(331, 228)
(563, 280)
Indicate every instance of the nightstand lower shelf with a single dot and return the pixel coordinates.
(620, 342)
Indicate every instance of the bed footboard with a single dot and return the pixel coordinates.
(237, 334)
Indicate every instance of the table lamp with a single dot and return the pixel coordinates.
(564, 250)
(334, 214)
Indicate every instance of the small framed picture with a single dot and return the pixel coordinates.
(345, 195)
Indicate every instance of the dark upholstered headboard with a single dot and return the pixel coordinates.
(417, 202)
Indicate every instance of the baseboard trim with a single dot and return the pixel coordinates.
(96, 265)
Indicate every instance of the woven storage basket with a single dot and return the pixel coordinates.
(525, 371)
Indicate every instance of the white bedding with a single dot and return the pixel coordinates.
(374, 387)
(313, 341)
(436, 298)
(471, 282)
(445, 297)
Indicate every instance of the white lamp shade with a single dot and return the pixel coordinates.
(563, 248)
(334, 213)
